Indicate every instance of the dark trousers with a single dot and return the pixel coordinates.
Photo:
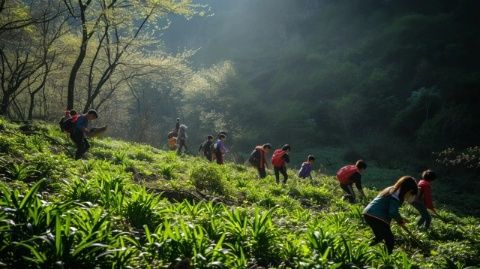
(278, 170)
(425, 218)
(349, 194)
(81, 143)
(261, 172)
(219, 157)
(182, 143)
(382, 232)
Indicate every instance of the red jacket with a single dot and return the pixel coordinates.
(344, 174)
(426, 193)
(278, 158)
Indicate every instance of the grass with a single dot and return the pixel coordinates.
(133, 206)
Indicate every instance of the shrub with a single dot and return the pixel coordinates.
(140, 210)
(207, 178)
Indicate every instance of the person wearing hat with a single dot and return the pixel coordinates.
(258, 159)
(280, 159)
(80, 132)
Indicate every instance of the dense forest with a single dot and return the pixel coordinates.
(388, 80)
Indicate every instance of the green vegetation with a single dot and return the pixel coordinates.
(132, 206)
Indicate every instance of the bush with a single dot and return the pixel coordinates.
(207, 178)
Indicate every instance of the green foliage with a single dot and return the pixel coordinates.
(141, 210)
(100, 216)
(207, 178)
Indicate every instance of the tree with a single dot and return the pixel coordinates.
(20, 60)
(119, 23)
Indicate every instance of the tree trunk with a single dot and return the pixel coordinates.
(81, 56)
(32, 105)
(5, 103)
(73, 74)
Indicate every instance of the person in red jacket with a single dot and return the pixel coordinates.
(350, 174)
(279, 160)
(423, 203)
(258, 159)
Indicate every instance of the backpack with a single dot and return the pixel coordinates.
(172, 143)
(66, 124)
(277, 158)
(253, 159)
(344, 173)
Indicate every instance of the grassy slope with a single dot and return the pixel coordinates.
(133, 205)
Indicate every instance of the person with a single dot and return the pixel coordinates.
(258, 159)
(385, 207)
(80, 131)
(172, 141)
(182, 138)
(177, 127)
(306, 168)
(206, 148)
(219, 148)
(279, 160)
(350, 174)
(423, 203)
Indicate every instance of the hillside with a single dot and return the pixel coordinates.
(134, 206)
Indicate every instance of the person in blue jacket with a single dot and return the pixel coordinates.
(379, 213)
(80, 132)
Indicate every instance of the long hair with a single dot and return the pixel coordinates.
(404, 184)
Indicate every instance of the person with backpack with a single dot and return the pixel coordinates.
(79, 132)
(423, 203)
(279, 160)
(379, 213)
(207, 148)
(258, 159)
(306, 168)
(67, 121)
(182, 139)
(350, 174)
(219, 149)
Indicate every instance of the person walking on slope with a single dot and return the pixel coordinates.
(219, 148)
(79, 132)
(350, 174)
(258, 159)
(207, 148)
(306, 168)
(385, 207)
(424, 199)
(279, 160)
(182, 139)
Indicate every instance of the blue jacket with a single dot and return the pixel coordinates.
(385, 208)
